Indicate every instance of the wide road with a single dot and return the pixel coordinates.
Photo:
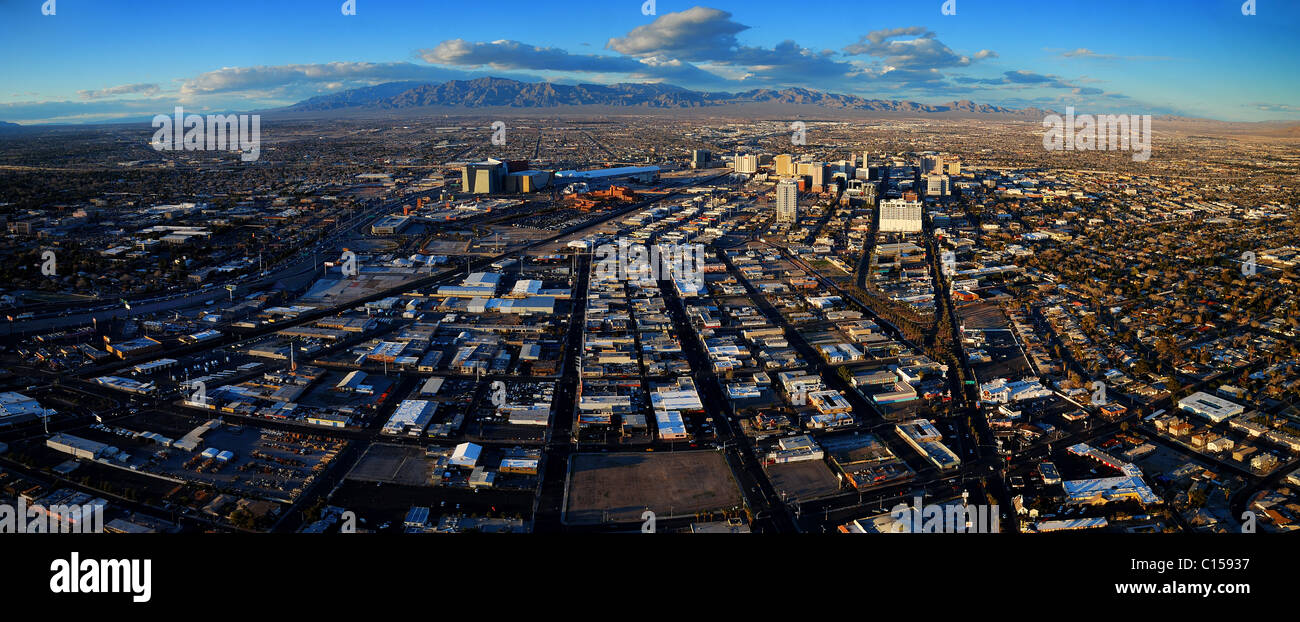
(548, 507)
(769, 512)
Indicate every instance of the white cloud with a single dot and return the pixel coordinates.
(696, 34)
(270, 77)
(147, 90)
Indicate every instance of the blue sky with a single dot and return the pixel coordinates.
(107, 60)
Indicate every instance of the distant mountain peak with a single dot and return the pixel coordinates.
(504, 92)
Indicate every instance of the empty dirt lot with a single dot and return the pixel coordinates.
(803, 480)
(619, 487)
(393, 464)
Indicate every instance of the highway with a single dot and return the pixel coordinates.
(303, 265)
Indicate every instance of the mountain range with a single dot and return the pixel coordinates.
(500, 92)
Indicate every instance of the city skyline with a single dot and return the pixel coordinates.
(302, 271)
(1102, 57)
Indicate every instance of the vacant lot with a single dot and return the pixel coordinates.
(393, 464)
(804, 480)
(619, 487)
(983, 315)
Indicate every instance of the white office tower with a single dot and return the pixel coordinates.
(900, 215)
(936, 185)
(787, 201)
(746, 163)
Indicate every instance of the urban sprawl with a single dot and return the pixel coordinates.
(384, 325)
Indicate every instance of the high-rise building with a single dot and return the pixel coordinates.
(847, 167)
(746, 163)
(900, 215)
(931, 164)
(787, 201)
(936, 185)
(869, 193)
(785, 165)
(814, 171)
(700, 158)
(952, 167)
